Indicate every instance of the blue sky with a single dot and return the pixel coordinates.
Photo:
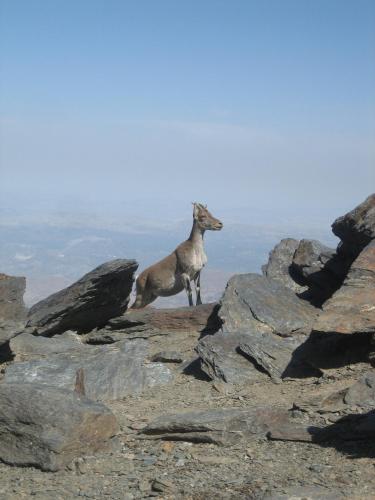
(237, 104)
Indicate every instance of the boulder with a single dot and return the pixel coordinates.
(47, 427)
(150, 322)
(102, 373)
(362, 393)
(9, 329)
(356, 228)
(279, 265)
(222, 426)
(90, 302)
(311, 258)
(351, 309)
(12, 307)
(256, 303)
(221, 360)
(27, 346)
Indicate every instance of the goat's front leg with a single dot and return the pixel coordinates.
(187, 285)
(197, 282)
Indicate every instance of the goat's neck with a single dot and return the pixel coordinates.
(196, 235)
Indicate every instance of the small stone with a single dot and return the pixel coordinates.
(161, 485)
(168, 447)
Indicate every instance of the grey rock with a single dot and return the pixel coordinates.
(167, 357)
(101, 373)
(351, 309)
(47, 427)
(225, 426)
(89, 303)
(221, 361)
(362, 393)
(356, 228)
(9, 329)
(256, 303)
(305, 493)
(12, 306)
(273, 353)
(310, 258)
(27, 346)
(279, 265)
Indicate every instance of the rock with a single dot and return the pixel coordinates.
(362, 393)
(352, 308)
(47, 427)
(305, 493)
(90, 302)
(356, 228)
(12, 307)
(273, 353)
(221, 361)
(167, 357)
(102, 373)
(150, 322)
(162, 485)
(311, 258)
(291, 431)
(279, 265)
(256, 303)
(9, 329)
(224, 426)
(27, 346)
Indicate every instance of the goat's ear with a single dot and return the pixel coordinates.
(195, 211)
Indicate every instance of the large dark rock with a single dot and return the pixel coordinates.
(12, 307)
(279, 265)
(225, 426)
(256, 303)
(90, 302)
(47, 427)
(356, 228)
(102, 373)
(352, 308)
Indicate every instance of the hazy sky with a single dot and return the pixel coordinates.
(240, 103)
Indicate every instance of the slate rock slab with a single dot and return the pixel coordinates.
(89, 303)
(224, 426)
(279, 265)
(12, 306)
(9, 329)
(362, 393)
(47, 427)
(351, 309)
(101, 373)
(256, 303)
(356, 228)
(221, 360)
(27, 346)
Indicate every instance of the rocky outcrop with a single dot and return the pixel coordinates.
(352, 308)
(102, 373)
(225, 426)
(256, 303)
(12, 307)
(356, 228)
(26, 346)
(279, 265)
(47, 427)
(98, 296)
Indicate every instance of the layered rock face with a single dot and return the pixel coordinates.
(90, 302)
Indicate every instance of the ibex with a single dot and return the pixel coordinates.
(176, 271)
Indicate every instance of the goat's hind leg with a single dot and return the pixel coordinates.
(197, 282)
(187, 285)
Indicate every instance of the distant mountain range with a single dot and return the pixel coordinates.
(54, 250)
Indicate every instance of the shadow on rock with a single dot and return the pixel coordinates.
(325, 351)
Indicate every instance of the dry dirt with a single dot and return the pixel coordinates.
(142, 468)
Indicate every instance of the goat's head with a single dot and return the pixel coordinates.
(205, 219)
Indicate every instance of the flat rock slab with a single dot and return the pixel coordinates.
(226, 426)
(9, 329)
(221, 360)
(352, 308)
(89, 303)
(256, 303)
(12, 306)
(101, 373)
(27, 346)
(47, 427)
